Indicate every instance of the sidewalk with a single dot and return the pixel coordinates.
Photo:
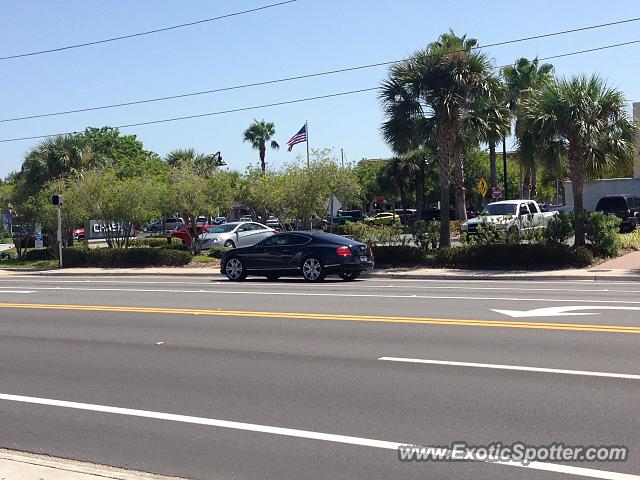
(625, 268)
(27, 466)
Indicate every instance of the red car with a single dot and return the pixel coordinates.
(183, 233)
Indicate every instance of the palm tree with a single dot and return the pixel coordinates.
(523, 79)
(203, 163)
(492, 120)
(443, 79)
(55, 157)
(258, 134)
(396, 175)
(585, 121)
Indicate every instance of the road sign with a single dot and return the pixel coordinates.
(379, 199)
(39, 241)
(496, 192)
(483, 186)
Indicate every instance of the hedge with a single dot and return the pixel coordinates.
(42, 254)
(129, 257)
(511, 255)
(153, 242)
(398, 255)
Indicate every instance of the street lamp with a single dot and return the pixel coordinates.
(218, 158)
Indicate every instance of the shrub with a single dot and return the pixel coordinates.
(153, 242)
(511, 255)
(176, 246)
(217, 252)
(130, 257)
(373, 235)
(425, 235)
(631, 241)
(398, 255)
(42, 254)
(603, 231)
(560, 228)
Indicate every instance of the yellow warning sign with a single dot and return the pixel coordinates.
(483, 187)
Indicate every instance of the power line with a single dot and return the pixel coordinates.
(317, 74)
(148, 32)
(210, 114)
(289, 102)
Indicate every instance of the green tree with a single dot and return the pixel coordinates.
(524, 79)
(444, 78)
(259, 134)
(585, 121)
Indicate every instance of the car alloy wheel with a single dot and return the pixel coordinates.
(229, 244)
(235, 270)
(312, 270)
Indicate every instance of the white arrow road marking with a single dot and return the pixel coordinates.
(291, 432)
(512, 367)
(560, 311)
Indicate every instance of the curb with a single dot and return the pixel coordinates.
(31, 465)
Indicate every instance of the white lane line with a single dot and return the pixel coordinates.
(17, 291)
(628, 376)
(292, 432)
(359, 286)
(332, 294)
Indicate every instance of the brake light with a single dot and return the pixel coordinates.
(344, 251)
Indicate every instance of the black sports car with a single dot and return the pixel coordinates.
(312, 255)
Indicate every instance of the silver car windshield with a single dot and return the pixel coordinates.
(224, 228)
(499, 209)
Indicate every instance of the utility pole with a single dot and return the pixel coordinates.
(57, 201)
(342, 156)
(505, 192)
(306, 127)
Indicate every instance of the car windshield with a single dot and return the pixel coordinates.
(225, 228)
(499, 209)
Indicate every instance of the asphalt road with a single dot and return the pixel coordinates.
(207, 379)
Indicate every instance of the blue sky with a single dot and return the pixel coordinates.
(299, 38)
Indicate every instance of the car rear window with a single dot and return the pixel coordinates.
(612, 204)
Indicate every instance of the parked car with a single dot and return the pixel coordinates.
(246, 218)
(183, 233)
(567, 209)
(272, 222)
(509, 217)
(356, 215)
(78, 234)
(219, 220)
(407, 217)
(235, 234)
(625, 207)
(170, 224)
(383, 218)
(311, 255)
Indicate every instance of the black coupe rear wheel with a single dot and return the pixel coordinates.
(235, 270)
(312, 270)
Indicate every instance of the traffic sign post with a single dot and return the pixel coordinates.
(57, 201)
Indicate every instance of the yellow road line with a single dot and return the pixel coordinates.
(334, 317)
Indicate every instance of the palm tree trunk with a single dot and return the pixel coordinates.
(577, 183)
(446, 143)
(534, 174)
(263, 154)
(461, 201)
(420, 189)
(492, 164)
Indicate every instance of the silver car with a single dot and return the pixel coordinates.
(235, 234)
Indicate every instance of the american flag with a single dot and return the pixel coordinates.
(299, 137)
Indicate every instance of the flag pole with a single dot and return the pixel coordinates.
(306, 127)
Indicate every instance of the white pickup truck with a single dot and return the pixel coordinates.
(509, 216)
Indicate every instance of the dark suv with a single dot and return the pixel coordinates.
(625, 207)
